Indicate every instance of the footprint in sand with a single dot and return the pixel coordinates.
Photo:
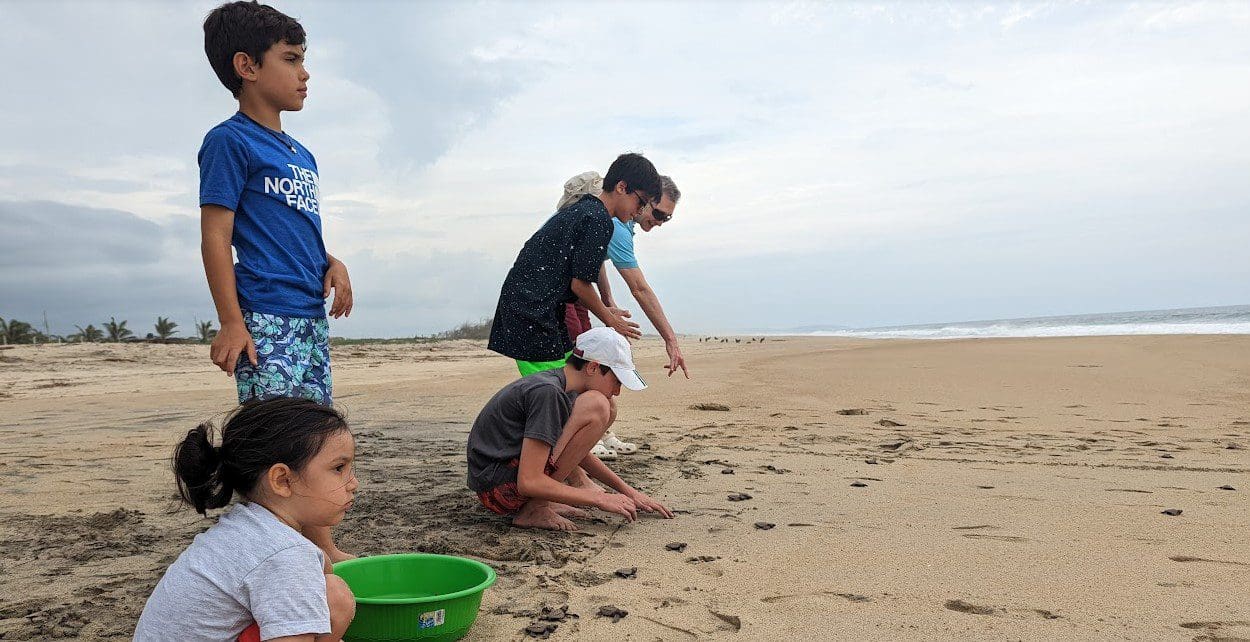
(850, 597)
(969, 608)
(1001, 538)
(1187, 558)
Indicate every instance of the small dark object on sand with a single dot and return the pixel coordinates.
(612, 612)
(853, 411)
(773, 469)
(702, 558)
(889, 423)
(764, 525)
(727, 471)
(1227, 487)
(1166, 456)
(859, 484)
(627, 573)
(972, 609)
(1172, 511)
(676, 546)
(549, 614)
(541, 630)
(731, 620)
(870, 461)
(720, 407)
(739, 497)
(1235, 446)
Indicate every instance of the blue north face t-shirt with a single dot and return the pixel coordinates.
(269, 181)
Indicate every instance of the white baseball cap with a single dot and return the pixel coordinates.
(607, 347)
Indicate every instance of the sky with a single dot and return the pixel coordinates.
(841, 164)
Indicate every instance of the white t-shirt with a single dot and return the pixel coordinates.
(249, 567)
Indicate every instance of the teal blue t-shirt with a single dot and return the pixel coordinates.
(621, 247)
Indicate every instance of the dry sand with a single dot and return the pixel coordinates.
(1012, 489)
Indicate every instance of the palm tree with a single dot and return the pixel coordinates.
(17, 331)
(89, 334)
(165, 328)
(117, 331)
(206, 331)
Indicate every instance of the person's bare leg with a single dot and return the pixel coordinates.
(591, 416)
(573, 512)
(342, 608)
(538, 513)
(320, 535)
(580, 479)
(585, 426)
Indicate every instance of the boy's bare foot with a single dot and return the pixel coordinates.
(564, 510)
(539, 514)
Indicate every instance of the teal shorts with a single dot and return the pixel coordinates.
(294, 356)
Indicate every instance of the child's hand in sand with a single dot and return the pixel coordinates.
(619, 504)
(643, 502)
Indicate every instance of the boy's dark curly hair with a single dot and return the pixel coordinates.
(249, 27)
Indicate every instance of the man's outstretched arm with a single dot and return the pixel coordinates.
(650, 304)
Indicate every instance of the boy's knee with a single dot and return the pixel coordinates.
(596, 406)
(342, 602)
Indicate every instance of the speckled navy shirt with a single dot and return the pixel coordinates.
(529, 320)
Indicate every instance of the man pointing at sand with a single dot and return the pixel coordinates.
(621, 253)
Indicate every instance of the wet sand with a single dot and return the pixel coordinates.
(989, 489)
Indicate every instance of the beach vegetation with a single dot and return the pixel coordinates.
(89, 334)
(14, 331)
(476, 330)
(165, 328)
(205, 331)
(117, 331)
(470, 330)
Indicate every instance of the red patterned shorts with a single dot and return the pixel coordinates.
(506, 499)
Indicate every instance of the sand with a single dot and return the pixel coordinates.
(988, 489)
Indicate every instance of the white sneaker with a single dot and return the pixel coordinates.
(603, 452)
(623, 447)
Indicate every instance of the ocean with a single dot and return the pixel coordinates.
(1234, 319)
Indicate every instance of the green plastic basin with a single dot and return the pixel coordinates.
(414, 596)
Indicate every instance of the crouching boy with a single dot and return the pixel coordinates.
(529, 449)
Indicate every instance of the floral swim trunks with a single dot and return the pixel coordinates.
(506, 499)
(294, 358)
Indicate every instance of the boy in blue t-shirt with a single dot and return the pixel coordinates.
(259, 193)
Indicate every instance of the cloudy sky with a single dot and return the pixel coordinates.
(842, 165)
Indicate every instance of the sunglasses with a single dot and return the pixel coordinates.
(660, 215)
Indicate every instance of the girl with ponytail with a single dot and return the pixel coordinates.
(253, 575)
